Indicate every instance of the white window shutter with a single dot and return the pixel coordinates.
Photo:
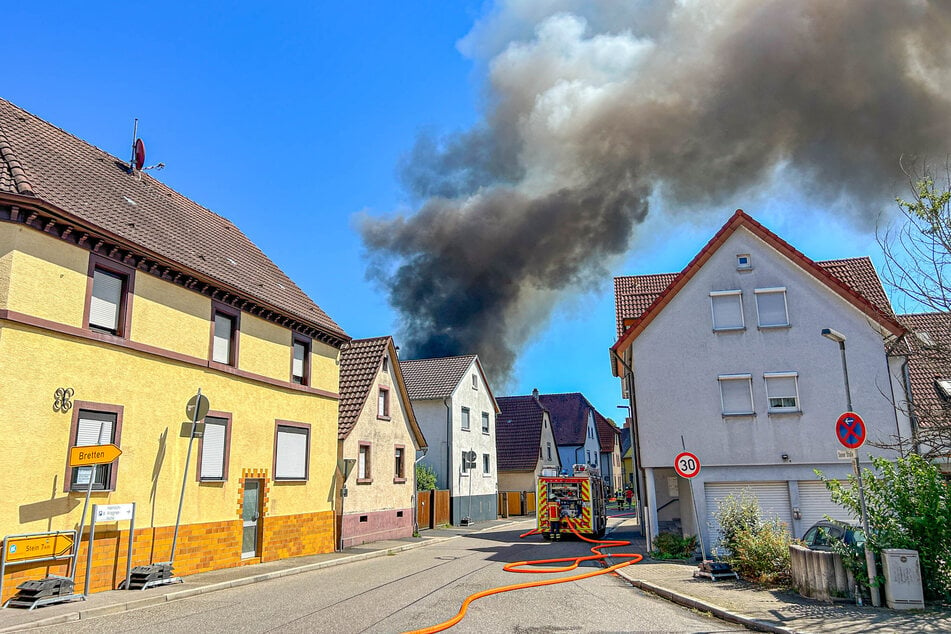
(298, 365)
(736, 396)
(727, 310)
(222, 345)
(291, 453)
(106, 300)
(362, 463)
(771, 307)
(213, 449)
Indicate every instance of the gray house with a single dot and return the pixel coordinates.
(727, 359)
(456, 410)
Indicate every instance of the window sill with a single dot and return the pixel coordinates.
(738, 414)
(466, 429)
(212, 480)
(364, 480)
(290, 480)
(774, 327)
(791, 412)
(728, 330)
(383, 418)
(399, 480)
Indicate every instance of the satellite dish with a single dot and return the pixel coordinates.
(139, 154)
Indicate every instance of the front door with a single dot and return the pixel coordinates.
(250, 512)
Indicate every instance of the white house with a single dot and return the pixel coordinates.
(456, 410)
(727, 360)
(573, 420)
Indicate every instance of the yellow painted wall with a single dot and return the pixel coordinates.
(159, 303)
(383, 435)
(44, 275)
(325, 366)
(48, 280)
(264, 348)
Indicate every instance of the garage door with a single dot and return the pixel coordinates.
(815, 503)
(773, 498)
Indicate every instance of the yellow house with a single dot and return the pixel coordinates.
(119, 300)
(378, 432)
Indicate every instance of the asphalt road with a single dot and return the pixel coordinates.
(420, 588)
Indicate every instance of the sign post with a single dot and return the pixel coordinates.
(851, 431)
(687, 465)
(196, 409)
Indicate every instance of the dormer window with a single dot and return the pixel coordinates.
(943, 387)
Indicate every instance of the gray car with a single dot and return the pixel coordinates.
(823, 534)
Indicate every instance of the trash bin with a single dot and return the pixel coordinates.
(902, 579)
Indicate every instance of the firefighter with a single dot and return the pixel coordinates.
(554, 517)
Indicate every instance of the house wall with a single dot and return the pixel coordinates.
(517, 480)
(43, 347)
(383, 507)
(483, 486)
(431, 418)
(680, 348)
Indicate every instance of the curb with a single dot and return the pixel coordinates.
(702, 606)
(137, 604)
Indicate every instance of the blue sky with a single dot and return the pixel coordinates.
(291, 118)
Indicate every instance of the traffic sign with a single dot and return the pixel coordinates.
(201, 401)
(687, 465)
(114, 512)
(86, 455)
(38, 546)
(850, 430)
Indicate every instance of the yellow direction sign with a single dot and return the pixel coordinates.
(38, 546)
(92, 454)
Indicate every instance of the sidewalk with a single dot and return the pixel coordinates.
(736, 601)
(768, 610)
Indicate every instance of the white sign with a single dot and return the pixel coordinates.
(113, 512)
(845, 454)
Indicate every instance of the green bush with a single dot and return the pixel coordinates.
(425, 478)
(909, 506)
(673, 546)
(757, 549)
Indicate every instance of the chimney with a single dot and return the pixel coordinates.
(535, 393)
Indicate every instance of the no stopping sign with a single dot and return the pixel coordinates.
(686, 465)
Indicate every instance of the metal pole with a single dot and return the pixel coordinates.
(188, 459)
(128, 560)
(696, 513)
(869, 555)
(82, 519)
(92, 536)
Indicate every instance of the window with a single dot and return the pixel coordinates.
(291, 453)
(782, 391)
(363, 464)
(213, 449)
(727, 310)
(386, 364)
(383, 404)
(486, 464)
(465, 419)
(549, 452)
(485, 422)
(475, 382)
(225, 337)
(94, 424)
(108, 304)
(399, 474)
(743, 262)
(300, 361)
(736, 394)
(771, 307)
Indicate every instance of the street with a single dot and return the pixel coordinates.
(421, 588)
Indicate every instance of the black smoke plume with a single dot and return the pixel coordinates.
(594, 107)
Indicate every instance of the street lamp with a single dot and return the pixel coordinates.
(838, 337)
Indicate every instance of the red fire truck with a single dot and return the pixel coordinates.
(575, 500)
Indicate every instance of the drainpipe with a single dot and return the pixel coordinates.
(449, 449)
(636, 446)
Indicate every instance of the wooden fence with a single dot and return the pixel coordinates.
(432, 508)
(513, 503)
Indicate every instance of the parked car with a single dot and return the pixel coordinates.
(823, 534)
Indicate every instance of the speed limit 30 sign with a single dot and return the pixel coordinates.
(687, 465)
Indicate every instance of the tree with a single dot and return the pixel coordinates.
(909, 506)
(425, 477)
(917, 268)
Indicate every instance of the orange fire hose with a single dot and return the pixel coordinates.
(518, 566)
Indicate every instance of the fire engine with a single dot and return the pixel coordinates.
(574, 499)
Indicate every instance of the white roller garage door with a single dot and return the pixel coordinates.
(815, 503)
(773, 500)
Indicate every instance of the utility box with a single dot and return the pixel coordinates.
(902, 579)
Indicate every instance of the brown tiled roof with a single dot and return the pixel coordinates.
(359, 365)
(434, 378)
(46, 167)
(608, 433)
(633, 294)
(518, 433)
(569, 417)
(858, 272)
(929, 358)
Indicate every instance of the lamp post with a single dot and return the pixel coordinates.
(839, 338)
